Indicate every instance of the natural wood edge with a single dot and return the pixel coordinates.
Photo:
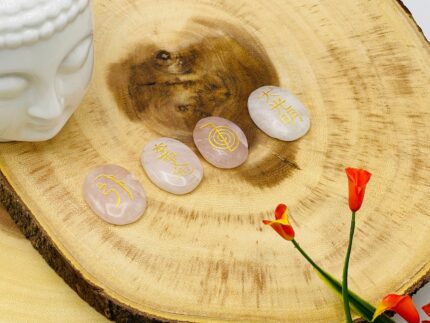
(93, 295)
(409, 14)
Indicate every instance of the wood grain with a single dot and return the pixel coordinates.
(362, 69)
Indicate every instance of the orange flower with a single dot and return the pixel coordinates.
(357, 181)
(281, 224)
(402, 305)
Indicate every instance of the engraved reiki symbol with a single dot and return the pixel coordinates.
(287, 114)
(277, 104)
(222, 137)
(286, 111)
(267, 94)
(106, 190)
(180, 169)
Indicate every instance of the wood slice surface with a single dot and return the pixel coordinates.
(362, 69)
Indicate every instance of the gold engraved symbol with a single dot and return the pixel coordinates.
(267, 94)
(179, 169)
(222, 137)
(278, 104)
(107, 190)
(287, 114)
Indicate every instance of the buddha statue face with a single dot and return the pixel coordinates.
(46, 60)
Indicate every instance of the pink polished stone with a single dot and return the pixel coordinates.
(172, 166)
(221, 142)
(114, 194)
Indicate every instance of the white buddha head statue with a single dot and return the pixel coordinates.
(46, 62)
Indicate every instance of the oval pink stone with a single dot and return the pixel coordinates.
(172, 166)
(221, 142)
(114, 194)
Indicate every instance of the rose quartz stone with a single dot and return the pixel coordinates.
(172, 166)
(114, 194)
(279, 113)
(221, 142)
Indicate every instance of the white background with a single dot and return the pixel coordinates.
(421, 12)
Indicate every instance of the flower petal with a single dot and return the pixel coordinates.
(352, 174)
(426, 309)
(280, 211)
(363, 177)
(357, 181)
(381, 308)
(360, 177)
(281, 224)
(279, 228)
(402, 305)
(286, 231)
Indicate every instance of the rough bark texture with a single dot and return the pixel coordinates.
(362, 69)
(92, 294)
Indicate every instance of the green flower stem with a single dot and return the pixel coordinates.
(309, 259)
(363, 308)
(345, 295)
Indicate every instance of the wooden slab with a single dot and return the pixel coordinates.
(361, 67)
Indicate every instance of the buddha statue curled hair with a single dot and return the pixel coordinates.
(24, 22)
